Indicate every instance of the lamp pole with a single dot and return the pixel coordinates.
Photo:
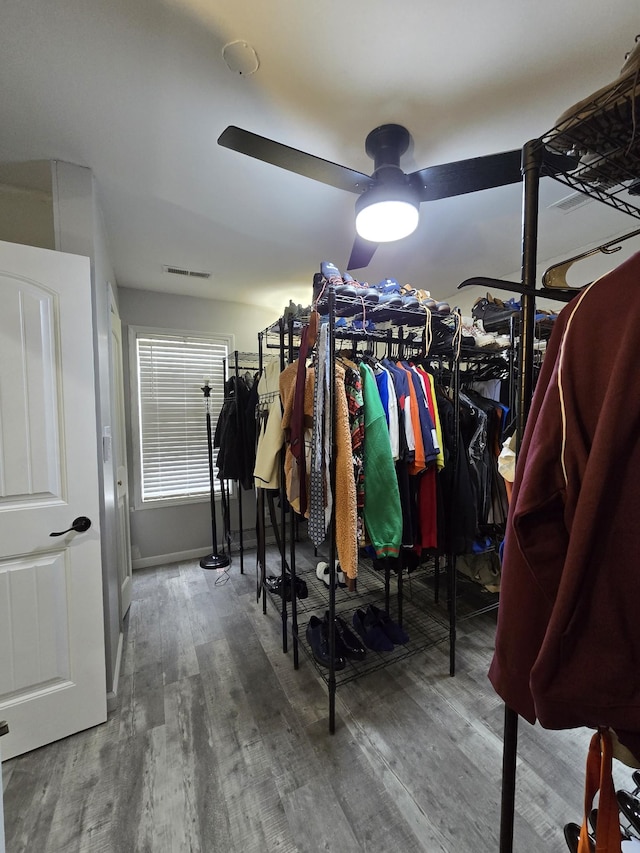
(213, 560)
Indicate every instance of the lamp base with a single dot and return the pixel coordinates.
(214, 561)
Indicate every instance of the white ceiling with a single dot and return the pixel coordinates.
(138, 91)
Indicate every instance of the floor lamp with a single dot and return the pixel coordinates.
(214, 560)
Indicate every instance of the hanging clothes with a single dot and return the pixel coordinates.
(401, 383)
(456, 531)
(320, 497)
(234, 461)
(405, 455)
(567, 644)
(435, 414)
(420, 461)
(389, 401)
(270, 436)
(355, 404)
(345, 495)
(298, 439)
(382, 510)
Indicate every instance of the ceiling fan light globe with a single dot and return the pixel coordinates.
(386, 221)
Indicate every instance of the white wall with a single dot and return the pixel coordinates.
(26, 215)
(168, 534)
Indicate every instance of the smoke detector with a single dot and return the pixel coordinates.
(240, 57)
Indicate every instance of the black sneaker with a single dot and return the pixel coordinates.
(494, 318)
(442, 334)
(318, 639)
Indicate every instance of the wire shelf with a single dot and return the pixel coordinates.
(425, 622)
(604, 133)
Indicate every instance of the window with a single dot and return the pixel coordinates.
(170, 370)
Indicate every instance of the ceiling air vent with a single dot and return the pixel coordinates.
(571, 202)
(183, 271)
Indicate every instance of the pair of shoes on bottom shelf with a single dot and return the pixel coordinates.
(346, 644)
(378, 631)
(275, 585)
(317, 634)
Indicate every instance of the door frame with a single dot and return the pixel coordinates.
(119, 450)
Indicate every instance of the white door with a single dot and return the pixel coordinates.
(120, 465)
(52, 663)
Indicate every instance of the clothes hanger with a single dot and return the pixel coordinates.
(556, 276)
(565, 295)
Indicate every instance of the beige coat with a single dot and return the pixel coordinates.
(271, 438)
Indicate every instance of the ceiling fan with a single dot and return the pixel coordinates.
(388, 184)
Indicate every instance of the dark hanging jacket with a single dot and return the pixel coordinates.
(568, 640)
(235, 451)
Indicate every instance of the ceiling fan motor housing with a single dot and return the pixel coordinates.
(386, 145)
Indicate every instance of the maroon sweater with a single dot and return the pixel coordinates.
(568, 640)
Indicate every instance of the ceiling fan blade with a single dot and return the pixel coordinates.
(293, 160)
(361, 254)
(467, 176)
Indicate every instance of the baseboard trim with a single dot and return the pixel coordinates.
(163, 559)
(249, 543)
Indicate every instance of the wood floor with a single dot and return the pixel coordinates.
(219, 745)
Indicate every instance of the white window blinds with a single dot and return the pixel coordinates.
(171, 370)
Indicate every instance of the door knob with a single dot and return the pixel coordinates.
(80, 525)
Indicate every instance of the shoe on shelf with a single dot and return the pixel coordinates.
(605, 171)
(319, 298)
(348, 290)
(590, 125)
(358, 326)
(347, 644)
(388, 285)
(275, 585)
(443, 333)
(388, 303)
(481, 339)
(394, 632)
(593, 823)
(371, 632)
(293, 311)
(318, 639)
(503, 341)
(323, 574)
(630, 808)
(572, 837)
(331, 272)
(370, 294)
(493, 318)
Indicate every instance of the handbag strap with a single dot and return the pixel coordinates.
(599, 778)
